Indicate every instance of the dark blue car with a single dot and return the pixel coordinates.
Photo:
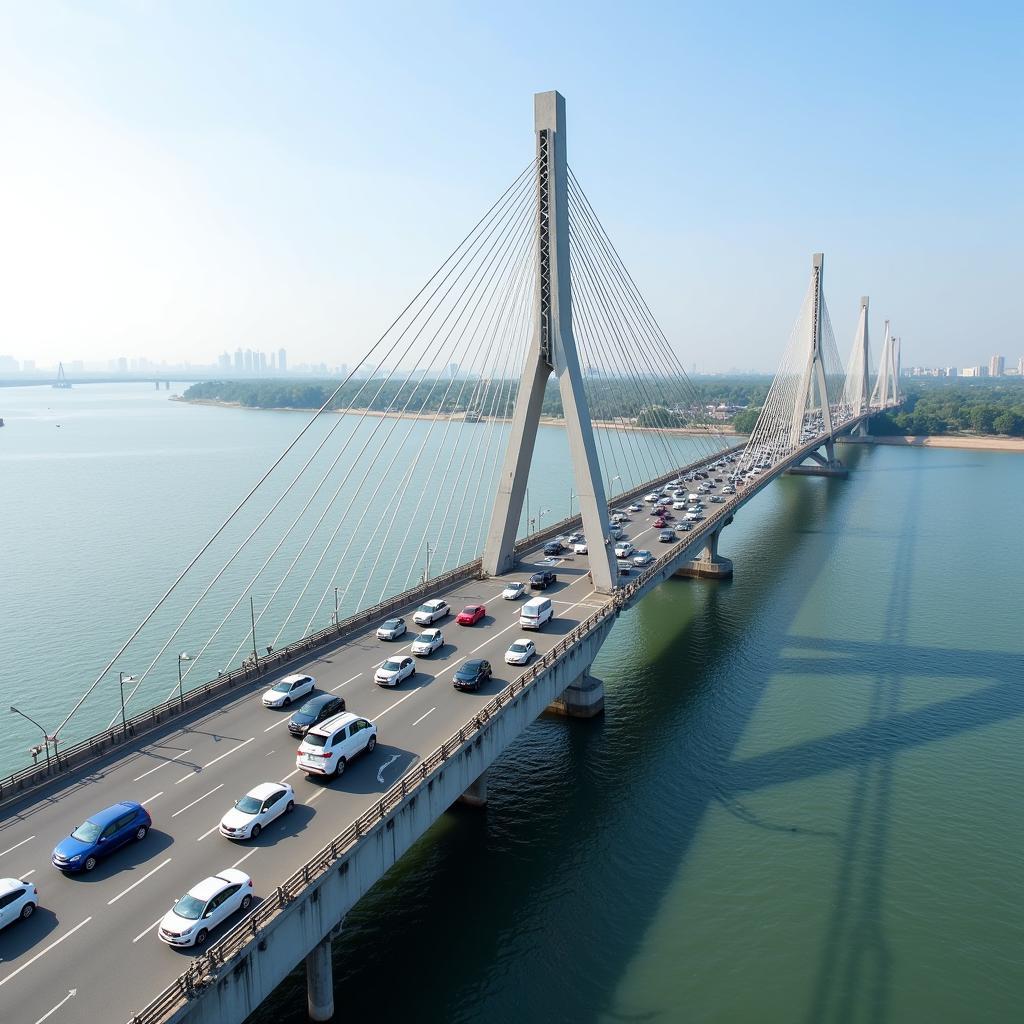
(100, 835)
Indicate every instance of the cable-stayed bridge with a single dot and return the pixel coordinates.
(411, 482)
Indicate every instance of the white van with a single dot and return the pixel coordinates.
(535, 613)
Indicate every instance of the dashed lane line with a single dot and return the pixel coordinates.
(420, 719)
(227, 753)
(150, 799)
(148, 930)
(246, 857)
(395, 705)
(335, 689)
(197, 799)
(207, 832)
(162, 864)
(11, 849)
(163, 764)
(43, 952)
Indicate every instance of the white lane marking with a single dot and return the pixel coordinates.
(334, 689)
(290, 774)
(10, 849)
(495, 636)
(284, 721)
(420, 719)
(27, 873)
(197, 799)
(163, 764)
(43, 952)
(150, 799)
(162, 864)
(205, 834)
(149, 929)
(72, 992)
(395, 705)
(215, 760)
(246, 857)
(319, 792)
(380, 771)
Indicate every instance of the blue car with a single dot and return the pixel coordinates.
(102, 834)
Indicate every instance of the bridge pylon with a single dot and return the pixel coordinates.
(552, 350)
(887, 386)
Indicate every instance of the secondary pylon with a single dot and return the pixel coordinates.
(887, 386)
(552, 350)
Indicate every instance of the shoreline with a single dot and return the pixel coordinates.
(977, 442)
(545, 421)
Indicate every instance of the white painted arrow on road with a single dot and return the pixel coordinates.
(71, 993)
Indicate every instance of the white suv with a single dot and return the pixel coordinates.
(328, 747)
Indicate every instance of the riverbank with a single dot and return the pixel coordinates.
(548, 421)
(979, 442)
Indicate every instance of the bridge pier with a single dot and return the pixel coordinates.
(582, 699)
(709, 565)
(320, 982)
(476, 795)
(822, 465)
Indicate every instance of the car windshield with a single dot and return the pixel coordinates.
(391, 666)
(248, 805)
(426, 608)
(282, 687)
(189, 908)
(471, 667)
(427, 638)
(88, 832)
(311, 707)
(470, 609)
(392, 623)
(513, 586)
(519, 648)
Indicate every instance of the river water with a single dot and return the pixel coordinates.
(803, 802)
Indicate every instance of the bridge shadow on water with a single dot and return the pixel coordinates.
(540, 906)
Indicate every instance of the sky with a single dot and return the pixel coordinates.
(179, 179)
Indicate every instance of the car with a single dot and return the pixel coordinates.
(394, 670)
(651, 498)
(574, 538)
(100, 835)
(642, 558)
(542, 580)
(553, 547)
(580, 548)
(391, 630)
(667, 514)
(204, 907)
(253, 812)
(18, 900)
(429, 612)
(716, 498)
(728, 489)
(471, 675)
(520, 651)
(635, 508)
(620, 517)
(659, 523)
(427, 642)
(615, 532)
(678, 504)
(471, 614)
(624, 549)
(625, 566)
(316, 709)
(287, 690)
(513, 591)
(667, 536)
(328, 747)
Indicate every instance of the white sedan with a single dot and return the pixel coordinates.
(642, 558)
(391, 630)
(580, 548)
(520, 652)
(204, 907)
(282, 693)
(257, 809)
(635, 508)
(394, 670)
(513, 591)
(427, 642)
(429, 612)
(623, 549)
(18, 900)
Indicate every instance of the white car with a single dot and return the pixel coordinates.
(204, 907)
(513, 591)
(678, 504)
(520, 652)
(427, 642)
(615, 532)
(642, 558)
(394, 670)
(429, 612)
(257, 809)
(18, 900)
(282, 693)
(634, 508)
(728, 489)
(651, 498)
(328, 747)
(580, 548)
(623, 549)
(391, 630)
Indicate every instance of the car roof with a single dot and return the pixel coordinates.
(328, 725)
(294, 677)
(319, 700)
(10, 884)
(265, 789)
(435, 601)
(431, 631)
(209, 887)
(522, 640)
(108, 814)
(473, 662)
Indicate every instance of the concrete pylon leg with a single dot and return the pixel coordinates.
(320, 983)
(581, 699)
(710, 565)
(476, 795)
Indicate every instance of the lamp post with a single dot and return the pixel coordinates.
(121, 680)
(571, 498)
(46, 738)
(335, 605)
(184, 656)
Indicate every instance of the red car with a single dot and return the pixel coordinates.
(659, 523)
(471, 614)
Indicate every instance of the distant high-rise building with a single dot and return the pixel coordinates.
(122, 364)
(224, 361)
(1020, 366)
(247, 360)
(273, 361)
(453, 370)
(282, 360)
(996, 366)
(951, 371)
(262, 362)
(239, 360)
(8, 363)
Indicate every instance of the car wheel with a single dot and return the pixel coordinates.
(246, 901)
(90, 863)
(27, 911)
(287, 701)
(200, 937)
(140, 833)
(254, 832)
(370, 744)
(339, 768)
(290, 807)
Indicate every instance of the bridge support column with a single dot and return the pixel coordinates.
(476, 795)
(581, 699)
(320, 983)
(822, 465)
(710, 565)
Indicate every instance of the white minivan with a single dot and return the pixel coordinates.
(535, 613)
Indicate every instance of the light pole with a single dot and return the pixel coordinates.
(335, 605)
(184, 656)
(571, 497)
(46, 738)
(121, 680)
(252, 615)
(529, 521)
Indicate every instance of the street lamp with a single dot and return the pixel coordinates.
(122, 679)
(46, 738)
(184, 656)
(571, 497)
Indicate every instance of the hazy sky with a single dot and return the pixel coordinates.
(181, 178)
